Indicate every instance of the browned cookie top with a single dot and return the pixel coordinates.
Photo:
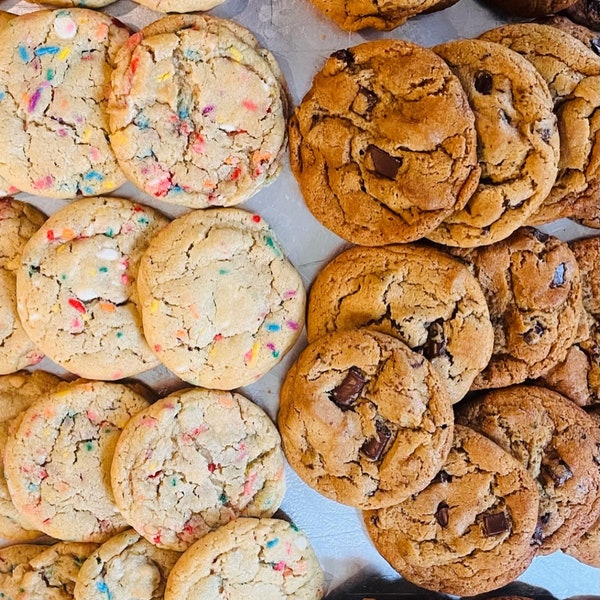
(584, 34)
(532, 8)
(384, 143)
(557, 443)
(586, 12)
(587, 254)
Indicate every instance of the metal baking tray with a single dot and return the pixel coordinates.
(301, 39)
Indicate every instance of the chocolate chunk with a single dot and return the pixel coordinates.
(344, 55)
(484, 83)
(533, 335)
(436, 341)
(546, 134)
(495, 523)
(538, 534)
(540, 236)
(595, 44)
(345, 394)
(559, 276)
(364, 102)
(442, 515)
(374, 447)
(442, 477)
(555, 468)
(384, 164)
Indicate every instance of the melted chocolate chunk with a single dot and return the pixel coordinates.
(384, 164)
(555, 468)
(538, 534)
(533, 335)
(442, 515)
(442, 477)
(364, 102)
(559, 276)
(546, 134)
(595, 44)
(344, 55)
(345, 394)
(484, 83)
(374, 447)
(540, 235)
(436, 341)
(495, 523)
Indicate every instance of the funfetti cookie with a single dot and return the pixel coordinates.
(13, 560)
(77, 297)
(221, 304)
(179, 6)
(192, 462)
(204, 125)
(57, 461)
(384, 144)
(54, 71)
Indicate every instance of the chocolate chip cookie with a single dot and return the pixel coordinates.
(531, 8)
(584, 34)
(586, 12)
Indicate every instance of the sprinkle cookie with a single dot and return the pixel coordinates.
(13, 560)
(192, 462)
(179, 6)
(248, 558)
(221, 304)
(54, 70)
(76, 287)
(57, 462)
(204, 124)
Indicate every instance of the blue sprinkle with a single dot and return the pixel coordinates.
(46, 50)
(272, 543)
(183, 112)
(191, 54)
(141, 121)
(88, 190)
(176, 188)
(24, 54)
(32, 487)
(93, 175)
(103, 589)
(273, 327)
(2, 95)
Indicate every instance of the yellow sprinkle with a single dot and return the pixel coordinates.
(108, 183)
(164, 76)
(60, 248)
(86, 135)
(64, 53)
(236, 54)
(154, 306)
(55, 308)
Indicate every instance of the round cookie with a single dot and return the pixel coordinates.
(179, 6)
(221, 304)
(192, 462)
(54, 70)
(176, 133)
(470, 530)
(585, 12)
(126, 566)
(532, 8)
(531, 282)
(364, 420)
(555, 441)
(17, 393)
(572, 72)
(76, 290)
(518, 142)
(354, 15)
(248, 558)
(418, 294)
(384, 143)
(57, 461)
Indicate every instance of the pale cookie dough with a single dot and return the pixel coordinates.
(17, 393)
(364, 420)
(76, 290)
(125, 567)
(13, 560)
(384, 144)
(572, 72)
(518, 142)
(57, 462)
(193, 461)
(268, 559)
(197, 114)
(179, 6)
(70, 3)
(418, 294)
(468, 532)
(54, 71)
(221, 304)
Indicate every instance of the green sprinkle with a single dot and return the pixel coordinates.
(103, 269)
(109, 232)
(173, 481)
(49, 74)
(294, 526)
(275, 353)
(63, 277)
(223, 499)
(119, 334)
(143, 220)
(223, 271)
(89, 446)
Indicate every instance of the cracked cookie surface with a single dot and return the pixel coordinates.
(126, 566)
(364, 420)
(470, 530)
(557, 442)
(532, 285)
(77, 297)
(572, 72)
(384, 143)
(420, 295)
(197, 114)
(249, 558)
(221, 304)
(180, 6)
(57, 461)
(192, 462)
(518, 146)
(13, 560)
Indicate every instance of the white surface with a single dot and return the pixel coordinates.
(301, 39)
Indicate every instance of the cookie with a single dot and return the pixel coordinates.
(354, 15)
(572, 72)
(531, 8)
(364, 420)
(418, 294)
(192, 462)
(13, 559)
(248, 558)
(70, 3)
(17, 393)
(587, 254)
(556, 442)
(470, 530)
(518, 142)
(179, 6)
(588, 36)
(384, 143)
(76, 290)
(585, 12)
(57, 462)
(54, 70)
(126, 566)
(532, 285)
(221, 304)
(205, 124)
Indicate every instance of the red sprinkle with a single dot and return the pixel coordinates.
(256, 218)
(134, 64)
(77, 305)
(50, 235)
(235, 174)
(249, 105)
(218, 337)
(156, 538)
(280, 566)
(212, 467)
(157, 347)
